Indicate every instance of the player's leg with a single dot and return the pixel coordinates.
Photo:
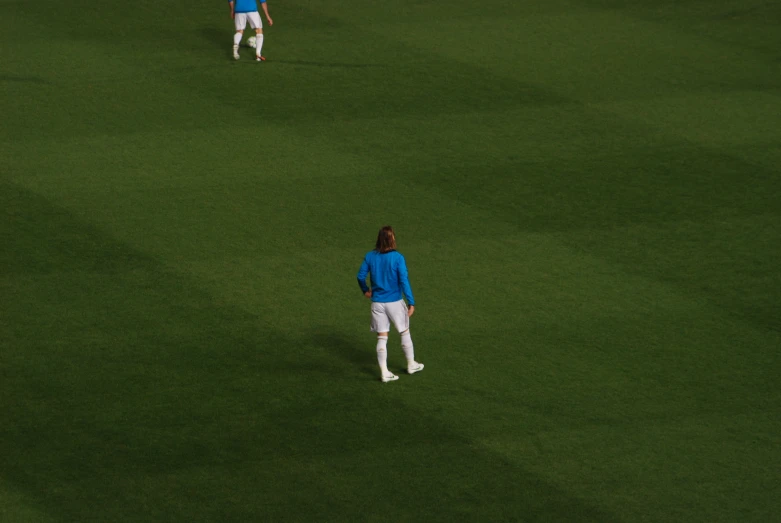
(382, 358)
(398, 314)
(256, 23)
(381, 325)
(409, 352)
(240, 22)
(259, 45)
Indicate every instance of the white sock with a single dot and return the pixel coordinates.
(236, 39)
(382, 354)
(258, 44)
(406, 346)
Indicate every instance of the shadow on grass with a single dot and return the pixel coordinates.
(220, 38)
(310, 63)
(22, 79)
(359, 356)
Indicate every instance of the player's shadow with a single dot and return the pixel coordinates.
(217, 37)
(22, 79)
(309, 63)
(359, 356)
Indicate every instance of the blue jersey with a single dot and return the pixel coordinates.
(246, 6)
(388, 273)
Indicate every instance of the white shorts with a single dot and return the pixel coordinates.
(253, 18)
(385, 313)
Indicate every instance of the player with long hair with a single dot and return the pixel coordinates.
(387, 270)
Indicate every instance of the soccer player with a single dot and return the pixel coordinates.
(243, 11)
(389, 279)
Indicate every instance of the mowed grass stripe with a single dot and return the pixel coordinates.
(572, 52)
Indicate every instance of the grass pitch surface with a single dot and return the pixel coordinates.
(587, 194)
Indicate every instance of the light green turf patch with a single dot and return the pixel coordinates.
(17, 507)
(737, 119)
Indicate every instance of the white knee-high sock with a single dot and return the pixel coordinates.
(382, 353)
(406, 346)
(237, 39)
(258, 44)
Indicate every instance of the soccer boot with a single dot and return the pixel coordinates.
(389, 377)
(413, 367)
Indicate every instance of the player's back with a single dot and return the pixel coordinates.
(384, 269)
(245, 6)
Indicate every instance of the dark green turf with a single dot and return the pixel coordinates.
(587, 193)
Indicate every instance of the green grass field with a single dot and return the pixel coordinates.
(588, 195)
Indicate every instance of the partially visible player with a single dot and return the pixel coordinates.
(243, 11)
(387, 270)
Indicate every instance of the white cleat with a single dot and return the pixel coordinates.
(414, 367)
(235, 52)
(389, 377)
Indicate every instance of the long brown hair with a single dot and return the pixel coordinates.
(386, 240)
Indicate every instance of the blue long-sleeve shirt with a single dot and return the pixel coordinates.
(389, 277)
(246, 6)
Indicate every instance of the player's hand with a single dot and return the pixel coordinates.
(368, 294)
(270, 21)
(411, 310)
(233, 15)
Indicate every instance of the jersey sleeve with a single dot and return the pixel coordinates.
(406, 288)
(362, 274)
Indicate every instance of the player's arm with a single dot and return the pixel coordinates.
(362, 274)
(233, 14)
(265, 12)
(406, 288)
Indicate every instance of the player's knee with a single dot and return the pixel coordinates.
(258, 31)
(404, 332)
